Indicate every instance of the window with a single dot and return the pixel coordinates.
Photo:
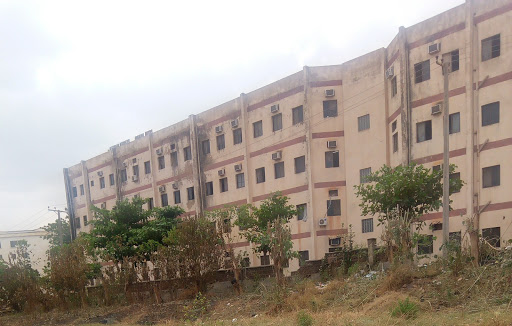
(246, 262)
(333, 207)
(363, 175)
(436, 168)
(303, 257)
(223, 184)
(490, 114)
(455, 237)
(135, 170)
(491, 47)
(277, 122)
(491, 176)
(102, 182)
(393, 126)
(437, 226)
(237, 136)
(165, 200)
(190, 193)
(300, 164)
(455, 176)
(151, 205)
(75, 194)
(330, 108)
(394, 87)
(454, 60)
(333, 193)
(177, 197)
(187, 153)
(265, 260)
(147, 167)
(426, 245)
(257, 129)
(422, 71)
(367, 225)
(221, 144)
(454, 123)
(92, 183)
(209, 188)
(226, 227)
(297, 115)
(82, 191)
(279, 170)
(424, 131)
(260, 175)
(332, 159)
(395, 142)
(302, 212)
(161, 162)
(85, 220)
(77, 223)
(363, 123)
(14, 244)
(492, 235)
(112, 180)
(124, 176)
(240, 180)
(205, 145)
(174, 159)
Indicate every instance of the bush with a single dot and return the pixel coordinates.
(405, 309)
(198, 308)
(398, 277)
(304, 319)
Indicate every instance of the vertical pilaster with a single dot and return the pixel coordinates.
(70, 203)
(247, 166)
(87, 186)
(153, 164)
(196, 163)
(405, 86)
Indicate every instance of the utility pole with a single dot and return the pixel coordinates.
(446, 156)
(59, 222)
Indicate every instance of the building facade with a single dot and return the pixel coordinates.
(314, 135)
(37, 246)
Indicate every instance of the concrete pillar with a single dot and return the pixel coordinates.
(70, 203)
(405, 86)
(196, 163)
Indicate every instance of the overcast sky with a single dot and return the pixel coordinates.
(79, 76)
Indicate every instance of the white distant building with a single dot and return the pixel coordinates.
(37, 246)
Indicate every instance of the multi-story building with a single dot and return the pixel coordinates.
(37, 246)
(314, 135)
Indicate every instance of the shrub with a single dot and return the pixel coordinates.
(198, 308)
(398, 277)
(304, 319)
(406, 309)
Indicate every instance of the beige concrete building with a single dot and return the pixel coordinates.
(37, 246)
(315, 134)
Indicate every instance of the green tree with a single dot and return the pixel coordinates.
(400, 196)
(53, 233)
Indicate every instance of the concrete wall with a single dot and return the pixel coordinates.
(37, 246)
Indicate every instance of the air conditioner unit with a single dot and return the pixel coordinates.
(218, 129)
(322, 222)
(276, 156)
(173, 147)
(125, 164)
(222, 172)
(159, 151)
(329, 93)
(134, 161)
(332, 144)
(100, 173)
(434, 48)
(335, 241)
(135, 178)
(238, 167)
(161, 188)
(274, 108)
(436, 109)
(175, 186)
(390, 72)
(103, 205)
(234, 123)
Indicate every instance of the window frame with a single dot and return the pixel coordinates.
(333, 210)
(427, 131)
(257, 128)
(161, 162)
(490, 109)
(277, 122)
(209, 188)
(299, 164)
(190, 193)
(302, 211)
(237, 136)
(147, 167)
(363, 122)
(177, 197)
(205, 147)
(260, 175)
(279, 170)
(223, 184)
(419, 68)
(489, 41)
(221, 142)
(164, 198)
(494, 178)
(330, 112)
(367, 225)
(187, 153)
(451, 125)
(297, 115)
(240, 180)
(334, 161)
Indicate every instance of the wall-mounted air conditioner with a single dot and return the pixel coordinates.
(329, 93)
(276, 156)
(100, 173)
(274, 108)
(434, 48)
(322, 222)
(175, 186)
(234, 123)
(218, 129)
(222, 172)
(238, 167)
(332, 144)
(161, 188)
(135, 178)
(390, 72)
(436, 109)
(335, 241)
(159, 151)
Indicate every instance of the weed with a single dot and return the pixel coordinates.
(398, 277)
(304, 319)
(197, 309)
(406, 309)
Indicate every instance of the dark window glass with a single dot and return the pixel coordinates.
(161, 162)
(454, 123)
(455, 237)
(112, 179)
(174, 159)
(221, 144)
(260, 175)
(240, 180)
(147, 167)
(257, 128)
(82, 191)
(330, 108)
(151, 204)
(455, 176)
(395, 142)
(279, 170)
(187, 153)
(209, 188)
(102, 182)
(277, 122)
(205, 145)
(77, 222)
(492, 235)
(422, 71)
(491, 47)
(424, 131)
(135, 169)
(92, 183)
(333, 193)
(490, 113)
(223, 184)
(165, 200)
(304, 257)
(75, 193)
(367, 225)
(334, 207)
(394, 87)
(454, 57)
(190, 193)
(177, 197)
(363, 174)
(237, 136)
(491, 176)
(393, 126)
(265, 260)
(124, 175)
(85, 220)
(436, 168)
(332, 159)
(363, 123)
(426, 245)
(300, 164)
(302, 212)
(297, 115)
